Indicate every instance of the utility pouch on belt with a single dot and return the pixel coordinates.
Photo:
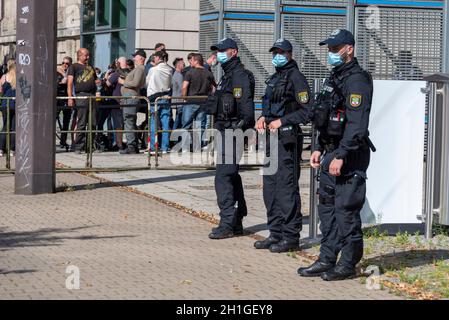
(288, 134)
(355, 191)
(320, 116)
(336, 125)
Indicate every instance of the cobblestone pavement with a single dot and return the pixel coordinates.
(128, 246)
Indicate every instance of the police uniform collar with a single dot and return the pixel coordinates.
(291, 64)
(231, 64)
(346, 66)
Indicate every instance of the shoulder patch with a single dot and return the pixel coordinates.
(303, 97)
(238, 92)
(355, 100)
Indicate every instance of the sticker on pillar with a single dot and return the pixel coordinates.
(356, 100)
(238, 92)
(25, 10)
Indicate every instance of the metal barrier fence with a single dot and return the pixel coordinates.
(7, 132)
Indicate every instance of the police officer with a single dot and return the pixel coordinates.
(341, 115)
(287, 94)
(232, 104)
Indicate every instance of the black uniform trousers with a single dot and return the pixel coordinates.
(281, 192)
(341, 200)
(228, 184)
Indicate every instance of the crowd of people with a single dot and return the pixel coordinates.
(151, 77)
(126, 80)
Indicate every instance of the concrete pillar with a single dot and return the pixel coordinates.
(36, 97)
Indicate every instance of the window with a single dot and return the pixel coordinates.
(118, 44)
(119, 14)
(88, 15)
(104, 13)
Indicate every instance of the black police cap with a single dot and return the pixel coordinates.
(224, 44)
(141, 53)
(282, 44)
(339, 37)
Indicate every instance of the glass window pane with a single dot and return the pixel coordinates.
(118, 44)
(88, 42)
(103, 13)
(119, 13)
(89, 15)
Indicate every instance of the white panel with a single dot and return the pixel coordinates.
(395, 174)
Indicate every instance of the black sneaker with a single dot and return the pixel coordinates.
(129, 151)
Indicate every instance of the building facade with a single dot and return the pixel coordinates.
(68, 28)
(113, 28)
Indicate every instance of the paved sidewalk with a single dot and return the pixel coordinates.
(193, 189)
(128, 246)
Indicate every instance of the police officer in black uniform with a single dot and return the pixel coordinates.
(232, 104)
(287, 95)
(341, 115)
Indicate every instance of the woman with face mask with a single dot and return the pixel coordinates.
(287, 95)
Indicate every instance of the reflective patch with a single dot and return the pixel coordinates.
(356, 100)
(303, 97)
(238, 93)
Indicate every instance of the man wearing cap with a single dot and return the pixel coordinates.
(232, 104)
(341, 115)
(131, 85)
(287, 92)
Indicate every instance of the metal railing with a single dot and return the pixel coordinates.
(7, 131)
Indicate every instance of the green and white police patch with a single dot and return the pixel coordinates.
(303, 97)
(356, 100)
(238, 92)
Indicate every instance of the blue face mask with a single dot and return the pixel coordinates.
(334, 59)
(222, 57)
(279, 60)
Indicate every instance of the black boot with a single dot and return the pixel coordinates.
(221, 233)
(284, 246)
(266, 244)
(339, 272)
(237, 228)
(316, 269)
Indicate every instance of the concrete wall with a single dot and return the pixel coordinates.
(68, 27)
(172, 22)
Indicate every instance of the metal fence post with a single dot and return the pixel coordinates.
(89, 135)
(8, 135)
(445, 37)
(313, 210)
(350, 16)
(277, 19)
(430, 163)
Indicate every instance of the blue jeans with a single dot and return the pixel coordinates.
(190, 114)
(164, 115)
(178, 120)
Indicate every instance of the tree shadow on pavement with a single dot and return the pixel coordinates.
(46, 237)
(4, 272)
(406, 259)
(136, 182)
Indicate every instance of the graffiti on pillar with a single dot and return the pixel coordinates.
(23, 113)
(23, 121)
(42, 58)
(24, 59)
